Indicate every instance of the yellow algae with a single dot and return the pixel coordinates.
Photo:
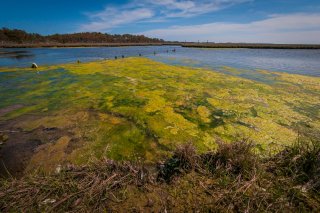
(136, 107)
(301, 80)
(178, 122)
(204, 113)
(231, 70)
(155, 104)
(86, 68)
(210, 142)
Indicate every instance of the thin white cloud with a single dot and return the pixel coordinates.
(175, 8)
(288, 28)
(111, 17)
(151, 11)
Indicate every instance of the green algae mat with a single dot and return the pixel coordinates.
(139, 109)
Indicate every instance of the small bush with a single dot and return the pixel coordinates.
(232, 159)
(183, 160)
(301, 162)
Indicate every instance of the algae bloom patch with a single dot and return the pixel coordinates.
(139, 109)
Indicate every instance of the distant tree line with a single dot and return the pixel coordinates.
(21, 36)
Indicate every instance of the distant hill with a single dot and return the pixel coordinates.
(16, 36)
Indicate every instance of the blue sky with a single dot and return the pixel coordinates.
(269, 21)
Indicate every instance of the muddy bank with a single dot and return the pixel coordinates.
(6, 110)
(20, 145)
(45, 141)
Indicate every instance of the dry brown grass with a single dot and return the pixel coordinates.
(232, 179)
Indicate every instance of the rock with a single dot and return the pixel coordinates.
(34, 65)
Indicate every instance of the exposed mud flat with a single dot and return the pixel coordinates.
(47, 141)
(21, 145)
(8, 109)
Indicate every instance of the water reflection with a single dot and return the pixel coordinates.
(18, 55)
(304, 62)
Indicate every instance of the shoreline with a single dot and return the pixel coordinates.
(59, 45)
(182, 44)
(251, 46)
(187, 45)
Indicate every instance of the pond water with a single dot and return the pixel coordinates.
(305, 62)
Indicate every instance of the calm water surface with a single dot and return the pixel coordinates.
(305, 62)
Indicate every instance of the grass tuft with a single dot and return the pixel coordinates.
(232, 179)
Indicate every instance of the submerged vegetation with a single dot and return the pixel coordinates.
(139, 110)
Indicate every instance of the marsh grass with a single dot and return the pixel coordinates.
(232, 179)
